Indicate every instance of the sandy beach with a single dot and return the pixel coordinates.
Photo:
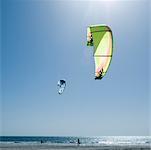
(68, 147)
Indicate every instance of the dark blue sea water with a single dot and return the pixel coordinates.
(104, 140)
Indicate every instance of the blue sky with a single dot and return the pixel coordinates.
(45, 41)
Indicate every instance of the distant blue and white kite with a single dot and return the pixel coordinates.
(61, 84)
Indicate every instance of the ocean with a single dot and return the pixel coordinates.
(84, 141)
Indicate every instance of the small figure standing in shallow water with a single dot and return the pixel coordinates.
(78, 142)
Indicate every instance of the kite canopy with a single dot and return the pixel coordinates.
(61, 84)
(100, 37)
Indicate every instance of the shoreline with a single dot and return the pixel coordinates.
(17, 146)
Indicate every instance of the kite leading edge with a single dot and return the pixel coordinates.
(101, 38)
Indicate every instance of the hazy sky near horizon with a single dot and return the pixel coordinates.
(45, 41)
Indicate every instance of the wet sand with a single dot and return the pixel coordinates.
(68, 147)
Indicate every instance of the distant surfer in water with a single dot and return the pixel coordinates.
(41, 141)
(78, 142)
